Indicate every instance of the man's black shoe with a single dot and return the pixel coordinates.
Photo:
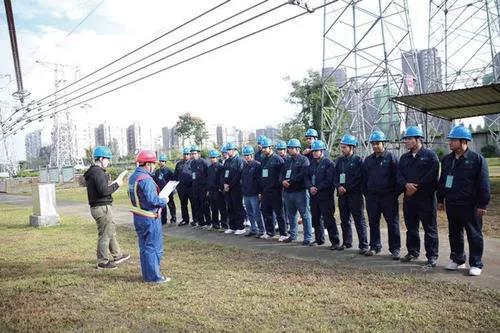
(409, 257)
(396, 255)
(431, 262)
(288, 240)
(183, 223)
(306, 243)
(108, 265)
(335, 247)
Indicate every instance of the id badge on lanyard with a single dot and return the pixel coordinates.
(313, 180)
(193, 175)
(288, 173)
(226, 174)
(449, 178)
(265, 173)
(342, 178)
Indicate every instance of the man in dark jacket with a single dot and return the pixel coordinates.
(161, 177)
(320, 183)
(418, 174)
(183, 175)
(347, 181)
(199, 175)
(250, 187)
(232, 186)
(293, 179)
(100, 201)
(464, 192)
(272, 192)
(381, 191)
(218, 215)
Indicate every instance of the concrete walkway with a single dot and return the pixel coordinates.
(348, 258)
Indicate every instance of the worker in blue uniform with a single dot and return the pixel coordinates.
(464, 192)
(199, 177)
(250, 187)
(348, 179)
(146, 206)
(232, 187)
(272, 192)
(311, 135)
(381, 191)
(258, 150)
(182, 174)
(320, 183)
(162, 176)
(294, 181)
(418, 173)
(218, 216)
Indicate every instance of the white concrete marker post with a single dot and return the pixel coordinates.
(44, 206)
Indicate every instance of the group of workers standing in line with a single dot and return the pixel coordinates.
(278, 183)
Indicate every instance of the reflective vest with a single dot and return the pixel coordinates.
(136, 208)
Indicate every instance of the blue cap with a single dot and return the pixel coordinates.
(162, 157)
(318, 145)
(230, 146)
(214, 153)
(248, 150)
(377, 136)
(280, 145)
(195, 148)
(350, 140)
(460, 132)
(102, 151)
(413, 131)
(266, 142)
(311, 133)
(293, 143)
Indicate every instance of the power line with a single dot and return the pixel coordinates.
(136, 49)
(41, 115)
(159, 51)
(167, 56)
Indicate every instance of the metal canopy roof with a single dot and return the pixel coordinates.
(454, 104)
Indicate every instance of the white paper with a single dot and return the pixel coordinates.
(168, 189)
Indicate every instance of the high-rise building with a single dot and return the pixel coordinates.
(85, 139)
(133, 138)
(422, 71)
(219, 135)
(166, 135)
(33, 144)
(270, 132)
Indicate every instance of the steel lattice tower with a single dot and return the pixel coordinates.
(365, 44)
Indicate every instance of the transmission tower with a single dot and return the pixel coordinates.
(7, 145)
(63, 139)
(366, 45)
(466, 33)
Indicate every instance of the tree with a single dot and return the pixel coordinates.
(306, 93)
(189, 126)
(89, 156)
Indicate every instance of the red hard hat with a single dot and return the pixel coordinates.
(145, 156)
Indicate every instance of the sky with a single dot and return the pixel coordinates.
(244, 85)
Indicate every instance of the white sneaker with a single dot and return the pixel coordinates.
(475, 271)
(282, 238)
(240, 232)
(229, 231)
(453, 266)
(264, 236)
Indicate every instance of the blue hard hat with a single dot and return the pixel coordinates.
(186, 151)
(280, 145)
(318, 145)
(413, 131)
(162, 157)
(311, 132)
(460, 132)
(248, 150)
(293, 143)
(377, 136)
(260, 138)
(194, 148)
(230, 146)
(349, 139)
(214, 153)
(266, 142)
(223, 149)
(102, 151)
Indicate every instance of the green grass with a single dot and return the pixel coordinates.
(48, 283)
